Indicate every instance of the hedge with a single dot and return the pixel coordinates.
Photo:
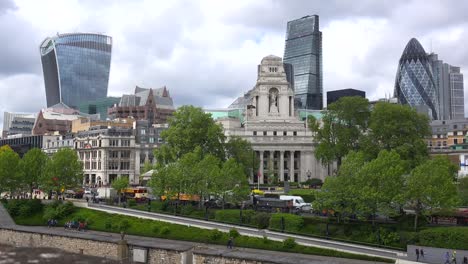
(233, 216)
(444, 237)
(292, 222)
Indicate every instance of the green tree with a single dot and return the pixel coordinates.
(342, 193)
(232, 184)
(241, 151)
(188, 128)
(400, 128)
(10, 171)
(380, 184)
(342, 127)
(430, 186)
(33, 166)
(120, 184)
(147, 166)
(463, 190)
(63, 171)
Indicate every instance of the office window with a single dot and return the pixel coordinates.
(295, 133)
(255, 133)
(274, 133)
(264, 133)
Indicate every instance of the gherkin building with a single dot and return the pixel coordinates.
(414, 84)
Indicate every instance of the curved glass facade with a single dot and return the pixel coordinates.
(414, 84)
(303, 50)
(76, 68)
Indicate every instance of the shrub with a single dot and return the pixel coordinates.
(292, 222)
(49, 213)
(215, 235)
(131, 202)
(165, 230)
(261, 220)
(155, 229)
(187, 210)
(444, 237)
(230, 216)
(23, 207)
(289, 243)
(64, 210)
(108, 224)
(123, 225)
(233, 233)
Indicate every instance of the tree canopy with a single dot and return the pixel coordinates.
(190, 127)
(33, 166)
(63, 171)
(343, 124)
(10, 173)
(431, 186)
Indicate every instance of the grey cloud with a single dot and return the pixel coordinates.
(6, 5)
(19, 52)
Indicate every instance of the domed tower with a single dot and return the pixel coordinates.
(414, 83)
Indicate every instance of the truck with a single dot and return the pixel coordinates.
(269, 204)
(298, 203)
(105, 193)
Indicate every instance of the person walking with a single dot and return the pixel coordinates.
(465, 260)
(417, 254)
(230, 243)
(447, 258)
(454, 257)
(422, 253)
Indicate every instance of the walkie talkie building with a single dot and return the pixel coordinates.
(76, 67)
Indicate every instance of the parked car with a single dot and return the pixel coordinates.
(298, 202)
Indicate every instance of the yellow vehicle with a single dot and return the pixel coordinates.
(183, 197)
(258, 192)
(137, 193)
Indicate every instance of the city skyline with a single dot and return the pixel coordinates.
(362, 42)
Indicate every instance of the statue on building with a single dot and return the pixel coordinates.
(273, 100)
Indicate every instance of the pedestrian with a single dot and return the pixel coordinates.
(87, 199)
(49, 223)
(454, 257)
(465, 260)
(447, 258)
(417, 254)
(422, 253)
(230, 243)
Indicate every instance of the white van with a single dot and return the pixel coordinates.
(298, 202)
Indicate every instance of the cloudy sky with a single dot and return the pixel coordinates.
(206, 52)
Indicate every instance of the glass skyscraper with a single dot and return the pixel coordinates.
(303, 50)
(76, 68)
(414, 83)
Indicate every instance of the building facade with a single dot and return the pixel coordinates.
(22, 144)
(414, 83)
(99, 106)
(154, 105)
(9, 118)
(107, 154)
(303, 50)
(55, 119)
(333, 96)
(76, 67)
(86, 123)
(449, 84)
(282, 142)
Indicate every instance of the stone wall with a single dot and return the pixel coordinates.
(69, 244)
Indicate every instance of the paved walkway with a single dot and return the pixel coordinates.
(5, 218)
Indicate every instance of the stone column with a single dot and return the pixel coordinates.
(271, 164)
(261, 168)
(281, 167)
(291, 166)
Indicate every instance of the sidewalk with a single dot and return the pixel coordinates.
(5, 218)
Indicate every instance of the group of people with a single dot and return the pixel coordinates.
(52, 223)
(78, 225)
(448, 258)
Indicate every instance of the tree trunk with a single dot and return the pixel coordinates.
(416, 221)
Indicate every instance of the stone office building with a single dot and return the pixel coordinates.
(282, 141)
(107, 154)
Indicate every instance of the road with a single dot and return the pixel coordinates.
(308, 241)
